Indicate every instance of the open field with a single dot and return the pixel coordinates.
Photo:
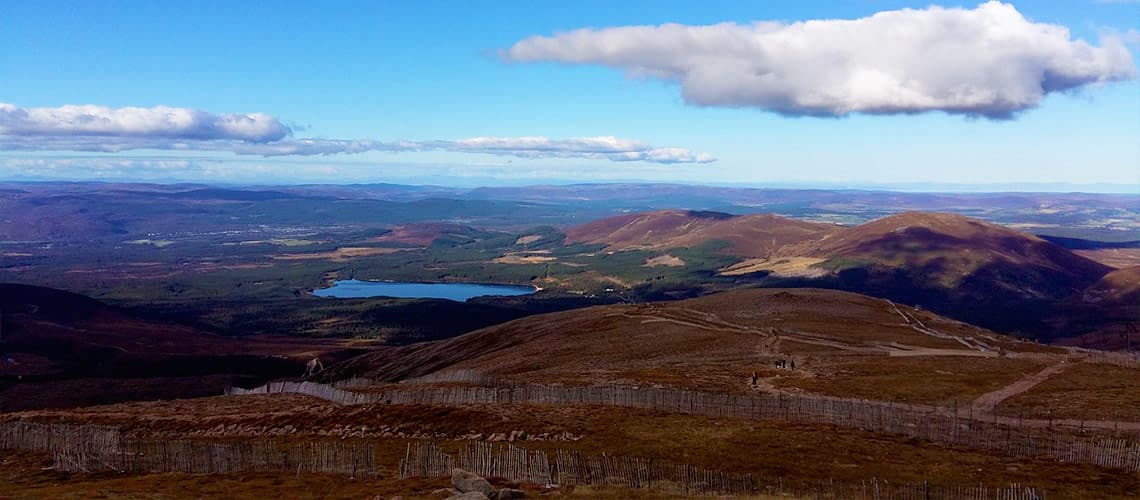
(342, 254)
(523, 259)
(1083, 391)
(943, 380)
(664, 260)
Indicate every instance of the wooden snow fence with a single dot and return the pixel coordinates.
(1121, 359)
(945, 426)
(1118, 358)
(73, 447)
(87, 448)
(352, 459)
(459, 376)
(567, 467)
(506, 461)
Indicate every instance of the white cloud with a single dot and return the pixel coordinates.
(160, 121)
(1131, 37)
(989, 61)
(113, 130)
(608, 148)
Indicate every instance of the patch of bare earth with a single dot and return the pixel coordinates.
(528, 239)
(791, 267)
(523, 259)
(664, 260)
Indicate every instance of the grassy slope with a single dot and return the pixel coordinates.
(715, 342)
(1093, 392)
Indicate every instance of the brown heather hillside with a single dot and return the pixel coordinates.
(712, 342)
(946, 250)
(1106, 315)
(760, 235)
(38, 318)
(972, 270)
(956, 246)
(1120, 287)
(60, 349)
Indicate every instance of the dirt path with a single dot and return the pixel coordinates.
(729, 328)
(920, 327)
(718, 325)
(904, 351)
(989, 400)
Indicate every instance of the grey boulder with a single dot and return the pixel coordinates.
(467, 482)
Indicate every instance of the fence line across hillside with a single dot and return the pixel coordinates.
(89, 448)
(86, 448)
(571, 467)
(932, 424)
(460, 376)
(1078, 355)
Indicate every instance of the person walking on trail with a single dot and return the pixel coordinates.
(313, 367)
(755, 379)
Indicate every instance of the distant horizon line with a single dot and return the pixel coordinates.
(906, 187)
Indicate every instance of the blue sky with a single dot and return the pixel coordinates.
(434, 74)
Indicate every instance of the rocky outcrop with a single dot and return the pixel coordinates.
(469, 486)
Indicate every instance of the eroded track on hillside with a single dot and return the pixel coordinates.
(988, 401)
(711, 322)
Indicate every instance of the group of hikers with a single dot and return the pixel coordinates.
(789, 364)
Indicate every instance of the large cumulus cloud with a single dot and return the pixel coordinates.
(111, 130)
(988, 61)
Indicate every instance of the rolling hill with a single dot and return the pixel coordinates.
(960, 245)
(759, 235)
(1106, 315)
(975, 271)
(972, 270)
(1117, 288)
(61, 349)
(424, 233)
(712, 341)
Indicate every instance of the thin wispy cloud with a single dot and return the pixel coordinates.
(92, 128)
(207, 168)
(989, 61)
